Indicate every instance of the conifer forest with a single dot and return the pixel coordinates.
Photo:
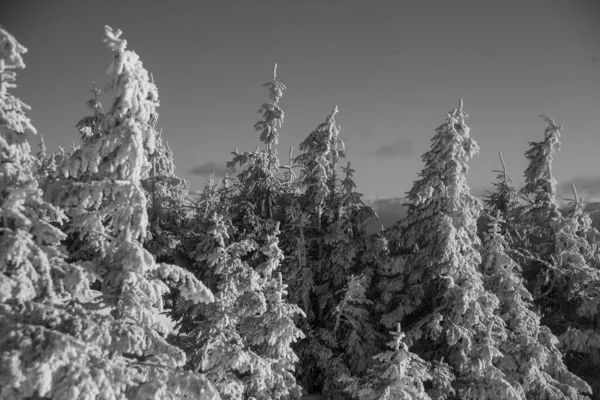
(274, 285)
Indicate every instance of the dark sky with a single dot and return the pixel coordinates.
(394, 68)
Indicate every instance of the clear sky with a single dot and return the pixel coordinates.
(394, 68)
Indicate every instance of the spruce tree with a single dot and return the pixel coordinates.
(240, 262)
(242, 340)
(332, 266)
(99, 186)
(171, 209)
(438, 293)
(571, 298)
(504, 197)
(532, 360)
(560, 263)
(540, 208)
(399, 374)
(257, 180)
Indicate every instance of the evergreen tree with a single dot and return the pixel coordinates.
(539, 209)
(91, 125)
(504, 197)
(257, 180)
(242, 340)
(332, 266)
(571, 299)
(45, 164)
(439, 293)
(399, 374)
(100, 186)
(531, 359)
(171, 209)
(559, 259)
(251, 316)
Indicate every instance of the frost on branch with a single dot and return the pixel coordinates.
(66, 353)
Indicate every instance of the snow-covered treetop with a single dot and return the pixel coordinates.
(321, 148)
(504, 197)
(90, 125)
(29, 243)
(272, 114)
(10, 58)
(443, 184)
(538, 175)
(129, 124)
(11, 108)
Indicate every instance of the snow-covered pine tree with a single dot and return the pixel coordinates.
(532, 360)
(257, 180)
(438, 294)
(559, 258)
(251, 298)
(45, 164)
(571, 301)
(90, 126)
(37, 357)
(399, 374)
(242, 341)
(539, 182)
(210, 332)
(100, 187)
(539, 208)
(504, 197)
(332, 265)
(171, 209)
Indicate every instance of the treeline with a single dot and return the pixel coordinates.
(270, 275)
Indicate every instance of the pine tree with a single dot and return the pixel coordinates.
(504, 196)
(572, 297)
(212, 336)
(257, 180)
(559, 259)
(540, 208)
(171, 209)
(449, 316)
(531, 359)
(251, 312)
(332, 266)
(242, 341)
(90, 126)
(99, 185)
(399, 374)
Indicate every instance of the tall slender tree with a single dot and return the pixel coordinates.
(251, 312)
(449, 317)
(559, 259)
(332, 265)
